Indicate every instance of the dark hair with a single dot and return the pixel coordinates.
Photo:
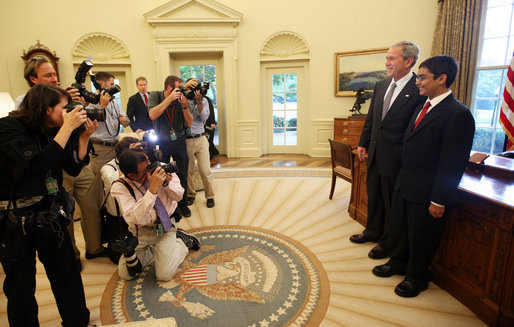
(129, 160)
(443, 64)
(31, 67)
(123, 145)
(171, 81)
(32, 110)
(103, 76)
(141, 78)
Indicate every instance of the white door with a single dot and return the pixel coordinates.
(284, 114)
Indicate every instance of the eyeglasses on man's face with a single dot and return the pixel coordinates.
(421, 78)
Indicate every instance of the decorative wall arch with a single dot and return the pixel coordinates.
(103, 47)
(285, 45)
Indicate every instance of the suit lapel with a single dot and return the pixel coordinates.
(405, 95)
(431, 116)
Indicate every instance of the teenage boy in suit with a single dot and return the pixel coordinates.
(394, 101)
(435, 154)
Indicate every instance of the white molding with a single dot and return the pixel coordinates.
(206, 12)
(104, 48)
(284, 45)
(249, 136)
(322, 130)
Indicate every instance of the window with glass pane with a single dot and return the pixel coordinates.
(204, 73)
(285, 109)
(497, 46)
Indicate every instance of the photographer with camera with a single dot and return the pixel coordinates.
(147, 199)
(38, 70)
(198, 146)
(170, 112)
(37, 142)
(107, 134)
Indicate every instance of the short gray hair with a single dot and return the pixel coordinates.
(409, 49)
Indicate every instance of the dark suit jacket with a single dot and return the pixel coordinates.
(383, 139)
(436, 153)
(138, 113)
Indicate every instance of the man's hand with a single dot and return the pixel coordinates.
(124, 120)
(175, 94)
(156, 179)
(436, 211)
(75, 95)
(191, 84)
(184, 101)
(105, 98)
(361, 152)
(198, 96)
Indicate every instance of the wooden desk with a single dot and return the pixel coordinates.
(475, 262)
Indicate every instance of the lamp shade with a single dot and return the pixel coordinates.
(6, 104)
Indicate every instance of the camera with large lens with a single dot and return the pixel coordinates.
(167, 167)
(91, 113)
(80, 79)
(125, 243)
(190, 94)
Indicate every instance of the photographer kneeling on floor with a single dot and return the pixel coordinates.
(37, 142)
(147, 200)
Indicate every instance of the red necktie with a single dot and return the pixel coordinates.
(422, 114)
(146, 99)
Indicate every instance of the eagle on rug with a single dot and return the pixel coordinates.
(223, 275)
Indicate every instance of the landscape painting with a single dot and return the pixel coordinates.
(359, 69)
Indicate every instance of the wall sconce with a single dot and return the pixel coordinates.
(6, 104)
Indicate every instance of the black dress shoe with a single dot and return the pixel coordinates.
(386, 270)
(360, 238)
(210, 203)
(103, 253)
(409, 288)
(190, 200)
(185, 211)
(378, 252)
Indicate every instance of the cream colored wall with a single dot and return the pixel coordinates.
(327, 27)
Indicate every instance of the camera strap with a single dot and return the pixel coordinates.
(131, 190)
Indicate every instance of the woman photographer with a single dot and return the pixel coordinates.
(37, 141)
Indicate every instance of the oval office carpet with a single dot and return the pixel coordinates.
(290, 202)
(242, 276)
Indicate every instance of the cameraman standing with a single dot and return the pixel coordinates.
(170, 112)
(37, 141)
(38, 70)
(198, 147)
(105, 137)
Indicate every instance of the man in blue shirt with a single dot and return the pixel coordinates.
(198, 147)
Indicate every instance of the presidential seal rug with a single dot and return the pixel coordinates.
(241, 276)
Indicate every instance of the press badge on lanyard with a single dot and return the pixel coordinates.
(173, 136)
(51, 185)
(158, 229)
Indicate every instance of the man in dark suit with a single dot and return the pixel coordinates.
(393, 103)
(137, 108)
(435, 153)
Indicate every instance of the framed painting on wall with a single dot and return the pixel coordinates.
(358, 69)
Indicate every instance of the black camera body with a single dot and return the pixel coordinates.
(190, 94)
(80, 79)
(125, 243)
(91, 113)
(167, 167)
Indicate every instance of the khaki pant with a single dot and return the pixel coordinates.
(166, 250)
(103, 154)
(83, 189)
(199, 148)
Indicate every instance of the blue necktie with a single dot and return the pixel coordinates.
(162, 213)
